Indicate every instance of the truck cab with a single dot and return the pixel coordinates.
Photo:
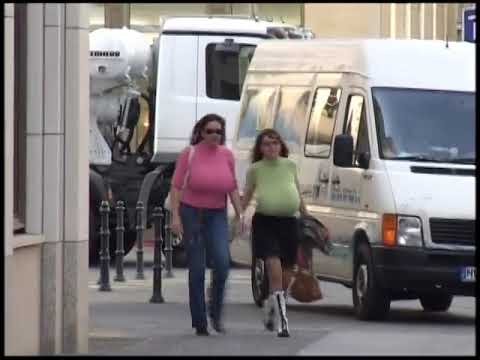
(196, 66)
(202, 63)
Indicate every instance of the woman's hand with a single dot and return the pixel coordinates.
(304, 211)
(176, 225)
(238, 226)
(242, 224)
(302, 208)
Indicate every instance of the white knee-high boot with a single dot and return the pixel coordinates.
(281, 314)
(287, 291)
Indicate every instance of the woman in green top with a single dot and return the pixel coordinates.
(273, 178)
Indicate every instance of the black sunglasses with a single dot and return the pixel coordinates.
(212, 131)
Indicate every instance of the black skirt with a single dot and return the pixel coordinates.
(275, 236)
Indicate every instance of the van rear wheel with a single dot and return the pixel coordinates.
(259, 280)
(370, 301)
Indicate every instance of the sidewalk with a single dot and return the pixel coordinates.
(124, 322)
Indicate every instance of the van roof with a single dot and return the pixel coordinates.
(385, 62)
(223, 24)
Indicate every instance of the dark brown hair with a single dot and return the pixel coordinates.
(202, 123)
(271, 133)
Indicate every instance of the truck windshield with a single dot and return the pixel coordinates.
(425, 125)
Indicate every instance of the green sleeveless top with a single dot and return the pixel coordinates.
(275, 187)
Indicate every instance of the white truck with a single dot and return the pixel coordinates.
(196, 66)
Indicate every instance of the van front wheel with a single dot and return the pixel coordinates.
(436, 302)
(370, 301)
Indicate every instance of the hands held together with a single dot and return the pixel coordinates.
(241, 225)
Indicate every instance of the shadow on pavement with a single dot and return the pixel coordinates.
(410, 316)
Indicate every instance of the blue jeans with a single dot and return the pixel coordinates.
(205, 231)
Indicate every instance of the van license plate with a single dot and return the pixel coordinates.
(468, 274)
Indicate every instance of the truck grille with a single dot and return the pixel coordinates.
(453, 231)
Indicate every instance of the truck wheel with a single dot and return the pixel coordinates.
(369, 300)
(129, 237)
(259, 280)
(129, 240)
(179, 257)
(93, 239)
(436, 302)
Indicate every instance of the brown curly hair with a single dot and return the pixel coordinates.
(200, 125)
(271, 133)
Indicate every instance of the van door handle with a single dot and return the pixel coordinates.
(336, 180)
(323, 179)
(367, 176)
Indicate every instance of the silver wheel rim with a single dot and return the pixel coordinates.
(362, 282)
(259, 275)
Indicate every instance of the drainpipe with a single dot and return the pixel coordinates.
(302, 15)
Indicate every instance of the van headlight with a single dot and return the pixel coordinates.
(409, 231)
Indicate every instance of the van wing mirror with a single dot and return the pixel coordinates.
(343, 150)
(228, 46)
(363, 160)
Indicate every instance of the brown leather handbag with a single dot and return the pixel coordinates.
(303, 285)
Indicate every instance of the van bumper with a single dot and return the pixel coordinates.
(422, 270)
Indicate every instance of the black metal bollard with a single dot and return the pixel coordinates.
(139, 228)
(120, 252)
(104, 252)
(157, 257)
(168, 245)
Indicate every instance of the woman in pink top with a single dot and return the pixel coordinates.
(200, 185)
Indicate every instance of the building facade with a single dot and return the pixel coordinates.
(376, 20)
(46, 178)
(370, 20)
(437, 21)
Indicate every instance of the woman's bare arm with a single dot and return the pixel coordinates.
(176, 225)
(247, 197)
(302, 207)
(236, 202)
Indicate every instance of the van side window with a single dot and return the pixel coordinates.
(356, 125)
(226, 68)
(322, 122)
(257, 111)
(293, 102)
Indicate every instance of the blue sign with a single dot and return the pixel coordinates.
(469, 28)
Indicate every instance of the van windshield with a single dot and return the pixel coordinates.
(425, 125)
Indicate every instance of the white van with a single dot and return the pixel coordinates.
(383, 134)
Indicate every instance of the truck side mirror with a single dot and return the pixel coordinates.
(343, 150)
